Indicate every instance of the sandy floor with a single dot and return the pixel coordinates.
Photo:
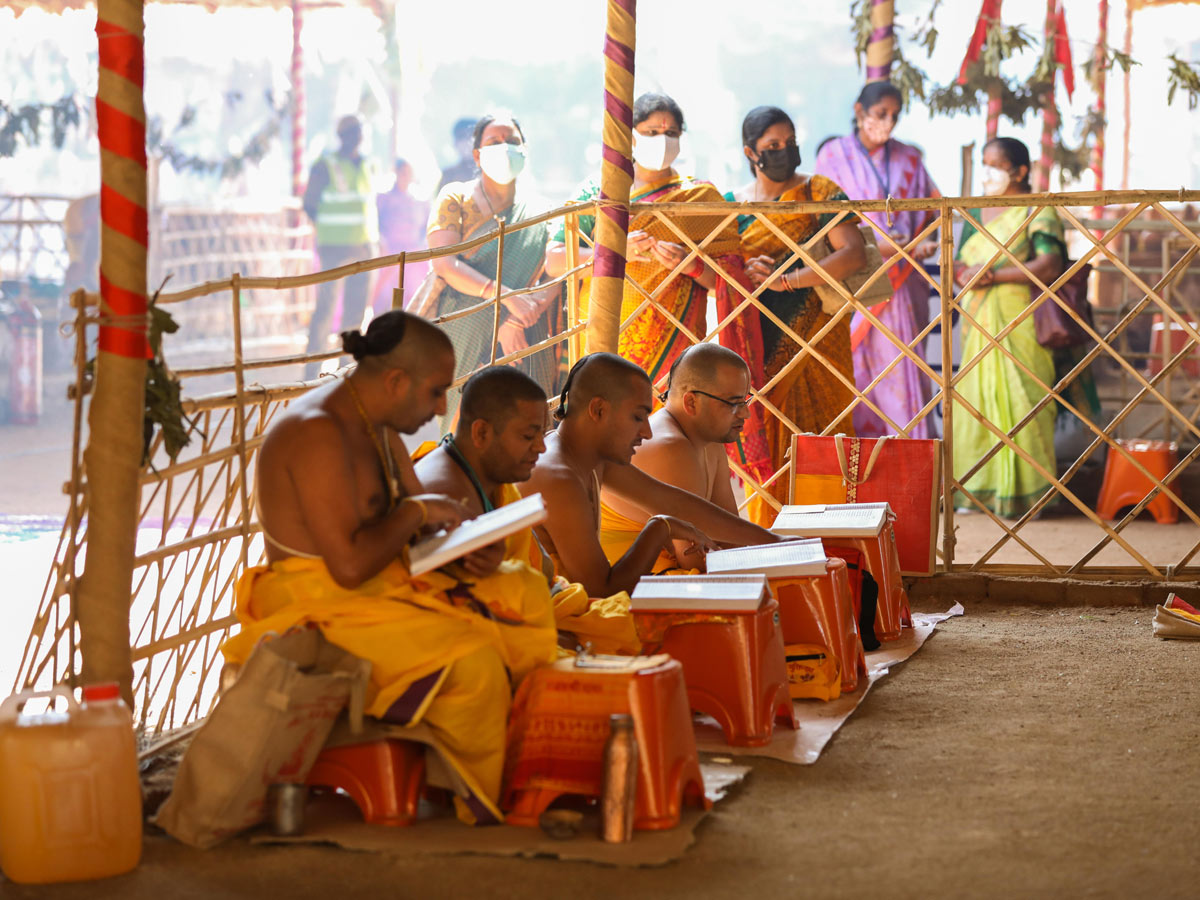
(1024, 752)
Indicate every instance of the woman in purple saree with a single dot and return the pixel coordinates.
(871, 165)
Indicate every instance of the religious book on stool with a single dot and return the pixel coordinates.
(473, 534)
(829, 520)
(699, 593)
(782, 560)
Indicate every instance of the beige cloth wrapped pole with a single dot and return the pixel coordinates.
(114, 451)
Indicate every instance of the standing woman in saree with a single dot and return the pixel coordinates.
(996, 386)
(653, 340)
(810, 394)
(470, 209)
(870, 164)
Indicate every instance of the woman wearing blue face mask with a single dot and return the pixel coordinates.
(470, 209)
(652, 339)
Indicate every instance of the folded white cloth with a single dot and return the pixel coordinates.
(1170, 624)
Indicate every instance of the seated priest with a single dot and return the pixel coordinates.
(604, 414)
(704, 407)
(500, 435)
(339, 503)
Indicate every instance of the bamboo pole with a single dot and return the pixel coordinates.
(298, 100)
(1127, 129)
(398, 290)
(1100, 87)
(499, 286)
(945, 293)
(881, 45)
(114, 448)
(616, 179)
(571, 248)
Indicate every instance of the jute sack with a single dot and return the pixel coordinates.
(267, 728)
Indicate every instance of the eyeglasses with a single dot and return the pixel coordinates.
(735, 405)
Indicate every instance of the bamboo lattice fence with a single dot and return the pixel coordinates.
(200, 530)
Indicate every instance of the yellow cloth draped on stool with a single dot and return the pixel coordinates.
(604, 622)
(438, 649)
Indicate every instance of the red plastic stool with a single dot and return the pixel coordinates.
(892, 615)
(559, 723)
(1179, 338)
(733, 665)
(1126, 486)
(382, 777)
(818, 610)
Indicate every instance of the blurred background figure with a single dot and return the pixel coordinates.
(402, 219)
(464, 145)
(340, 200)
(870, 164)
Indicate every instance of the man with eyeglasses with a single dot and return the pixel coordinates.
(704, 408)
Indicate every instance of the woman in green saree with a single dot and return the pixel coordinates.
(470, 209)
(1003, 393)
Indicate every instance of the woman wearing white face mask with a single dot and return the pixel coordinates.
(996, 386)
(466, 210)
(870, 164)
(652, 340)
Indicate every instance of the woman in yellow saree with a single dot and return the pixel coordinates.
(996, 386)
(810, 394)
(653, 340)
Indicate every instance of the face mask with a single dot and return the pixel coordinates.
(877, 131)
(656, 152)
(779, 164)
(995, 181)
(502, 162)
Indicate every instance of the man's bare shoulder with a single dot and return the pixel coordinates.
(438, 473)
(553, 475)
(305, 428)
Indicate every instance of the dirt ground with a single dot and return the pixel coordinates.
(1023, 752)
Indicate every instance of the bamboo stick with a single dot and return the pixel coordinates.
(946, 291)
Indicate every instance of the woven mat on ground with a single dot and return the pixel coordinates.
(332, 819)
(819, 720)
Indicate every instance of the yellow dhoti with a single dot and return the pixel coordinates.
(442, 651)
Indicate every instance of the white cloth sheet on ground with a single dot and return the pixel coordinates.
(819, 721)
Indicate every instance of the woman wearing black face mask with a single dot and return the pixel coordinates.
(811, 395)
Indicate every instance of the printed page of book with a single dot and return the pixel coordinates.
(447, 546)
(725, 593)
(804, 557)
(832, 520)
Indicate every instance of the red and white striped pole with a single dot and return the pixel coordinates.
(115, 444)
(1041, 180)
(298, 104)
(616, 179)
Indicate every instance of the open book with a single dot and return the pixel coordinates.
(447, 546)
(776, 560)
(833, 520)
(707, 593)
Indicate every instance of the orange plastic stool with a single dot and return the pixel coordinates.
(733, 665)
(559, 724)
(382, 777)
(1126, 486)
(819, 610)
(892, 614)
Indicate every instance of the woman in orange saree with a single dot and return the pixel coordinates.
(654, 339)
(811, 394)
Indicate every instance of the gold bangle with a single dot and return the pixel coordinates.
(487, 288)
(665, 521)
(421, 506)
